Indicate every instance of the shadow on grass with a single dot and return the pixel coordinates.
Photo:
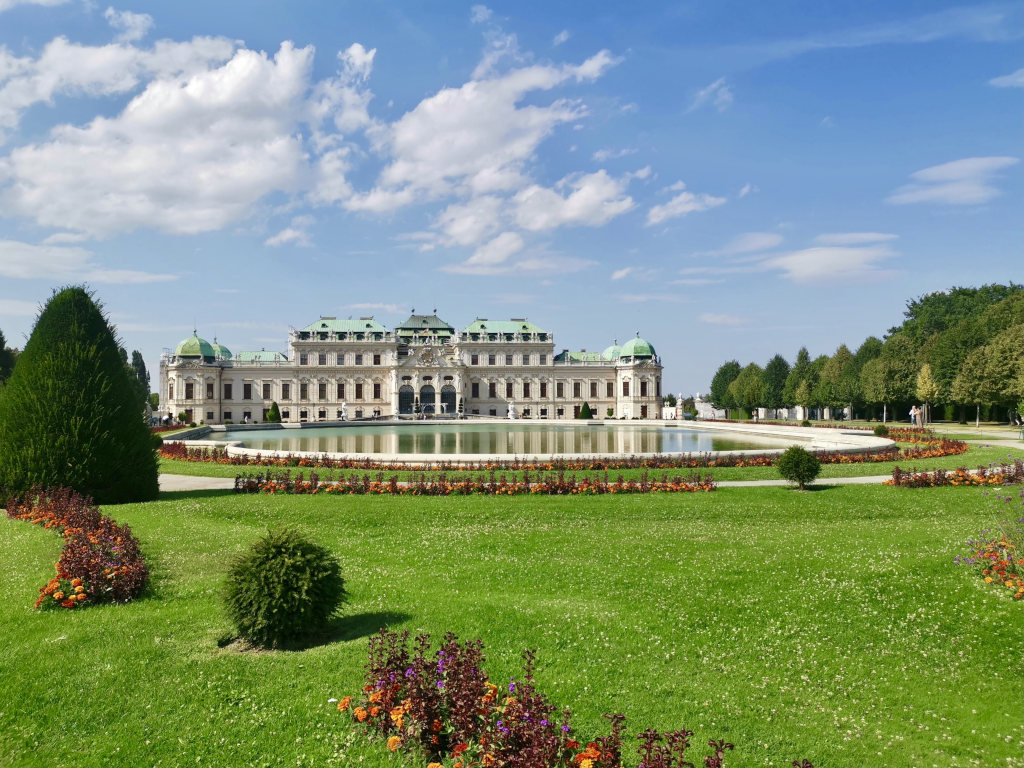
(209, 493)
(340, 629)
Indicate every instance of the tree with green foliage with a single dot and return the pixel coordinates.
(969, 386)
(774, 382)
(274, 414)
(154, 400)
(69, 413)
(669, 400)
(585, 412)
(938, 312)
(745, 391)
(927, 391)
(724, 376)
(140, 375)
(799, 372)
(7, 358)
(798, 465)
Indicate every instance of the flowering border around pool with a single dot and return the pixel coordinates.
(442, 485)
(439, 705)
(929, 449)
(996, 475)
(101, 560)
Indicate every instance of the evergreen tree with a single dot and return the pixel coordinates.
(274, 414)
(69, 414)
(6, 359)
(585, 412)
(797, 373)
(141, 376)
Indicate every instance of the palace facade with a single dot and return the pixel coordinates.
(338, 369)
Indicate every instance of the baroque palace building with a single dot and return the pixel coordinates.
(339, 369)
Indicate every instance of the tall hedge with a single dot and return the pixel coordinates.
(69, 414)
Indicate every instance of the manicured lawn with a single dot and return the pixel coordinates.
(978, 455)
(830, 625)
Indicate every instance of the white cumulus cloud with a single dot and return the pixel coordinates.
(682, 204)
(130, 26)
(717, 93)
(594, 199)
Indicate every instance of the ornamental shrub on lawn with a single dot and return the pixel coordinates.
(881, 430)
(585, 412)
(274, 414)
(798, 465)
(284, 588)
(70, 415)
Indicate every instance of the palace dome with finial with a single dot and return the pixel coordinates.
(637, 349)
(194, 346)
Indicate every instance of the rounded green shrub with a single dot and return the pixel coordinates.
(283, 588)
(881, 430)
(70, 415)
(798, 465)
(806, 423)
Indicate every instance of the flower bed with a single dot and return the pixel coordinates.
(932, 449)
(995, 475)
(101, 560)
(998, 553)
(442, 485)
(440, 706)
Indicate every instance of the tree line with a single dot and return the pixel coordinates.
(955, 349)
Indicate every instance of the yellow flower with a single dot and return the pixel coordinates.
(394, 743)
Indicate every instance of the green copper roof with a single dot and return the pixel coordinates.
(579, 357)
(194, 347)
(220, 351)
(260, 356)
(424, 323)
(515, 325)
(611, 353)
(344, 325)
(637, 348)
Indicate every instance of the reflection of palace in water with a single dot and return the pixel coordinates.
(351, 369)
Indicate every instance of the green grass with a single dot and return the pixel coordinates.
(977, 455)
(830, 625)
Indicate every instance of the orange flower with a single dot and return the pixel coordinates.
(360, 714)
(374, 711)
(375, 697)
(76, 582)
(81, 596)
(436, 726)
(394, 742)
(344, 704)
(434, 765)
(60, 595)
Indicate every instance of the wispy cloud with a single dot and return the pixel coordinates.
(392, 309)
(962, 182)
(18, 308)
(748, 242)
(718, 93)
(747, 189)
(682, 204)
(1014, 80)
(853, 238)
(644, 298)
(612, 154)
(561, 37)
(25, 261)
(711, 318)
(832, 263)
(618, 274)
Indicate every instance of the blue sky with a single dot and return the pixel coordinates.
(728, 179)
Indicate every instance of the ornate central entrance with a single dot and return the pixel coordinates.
(406, 396)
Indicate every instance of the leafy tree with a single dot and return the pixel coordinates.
(802, 396)
(669, 400)
(141, 375)
(69, 413)
(937, 312)
(927, 390)
(154, 400)
(7, 358)
(274, 414)
(724, 376)
(745, 389)
(800, 371)
(798, 465)
(969, 386)
(774, 382)
(834, 388)
(585, 412)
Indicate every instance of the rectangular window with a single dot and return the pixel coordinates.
(474, 359)
(543, 359)
(286, 391)
(321, 359)
(247, 391)
(376, 359)
(474, 390)
(593, 389)
(609, 389)
(303, 391)
(341, 358)
(492, 390)
(303, 359)
(625, 389)
(526, 389)
(227, 415)
(321, 390)
(285, 415)
(657, 387)
(341, 391)
(577, 389)
(526, 359)
(209, 390)
(491, 359)
(543, 389)
(209, 415)
(376, 391)
(508, 359)
(189, 390)
(266, 390)
(359, 359)
(559, 390)
(508, 389)
(227, 391)
(170, 390)
(359, 391)
(643, 389)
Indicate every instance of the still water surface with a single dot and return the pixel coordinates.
(544, 439)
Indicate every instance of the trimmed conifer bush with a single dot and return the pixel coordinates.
(70, 415)
(274, 414)
(283, 588)
(798, 465)
(585, 412)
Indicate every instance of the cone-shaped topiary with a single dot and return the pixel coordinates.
(70, 415)
(274, 414)
(798, 465)
(283, 588)
(585, 412)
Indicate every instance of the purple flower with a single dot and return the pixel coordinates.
(440, 684)
(565, 729)
(410, 673)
